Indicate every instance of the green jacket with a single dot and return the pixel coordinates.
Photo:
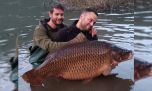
(42, 38)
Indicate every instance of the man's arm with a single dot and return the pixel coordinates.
(67, 34)
(42, 40)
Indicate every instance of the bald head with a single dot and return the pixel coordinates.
(87, 10)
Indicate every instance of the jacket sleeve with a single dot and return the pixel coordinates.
(42, 40)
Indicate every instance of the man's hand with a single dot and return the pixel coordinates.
(93, 32)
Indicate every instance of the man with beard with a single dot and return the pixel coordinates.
(45, 35)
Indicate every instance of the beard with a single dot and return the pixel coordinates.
(85, 26)
(88, 28)
(57, 22)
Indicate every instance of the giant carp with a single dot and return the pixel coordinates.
(82, 61)
(142, 69)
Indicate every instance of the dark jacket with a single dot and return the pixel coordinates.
(68, 33)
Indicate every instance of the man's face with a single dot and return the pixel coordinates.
(57, 16)
(88, 20)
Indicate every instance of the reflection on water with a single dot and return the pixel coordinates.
(128, 30)
(109, 83)
(143, 32)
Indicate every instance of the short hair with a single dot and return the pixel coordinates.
(56, 6)
(90, 10)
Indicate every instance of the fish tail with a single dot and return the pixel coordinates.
(33, 78)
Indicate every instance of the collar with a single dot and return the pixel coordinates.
(44, 23)
(77, 29)
(73, 26)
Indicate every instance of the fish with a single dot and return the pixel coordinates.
(82, 61)
(142, 69)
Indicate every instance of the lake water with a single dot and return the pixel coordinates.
(126, 29)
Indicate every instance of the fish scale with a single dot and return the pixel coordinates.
(76, 62)
(82, 57)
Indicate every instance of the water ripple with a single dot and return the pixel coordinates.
(142, 12)
(145, 29)
(10, 29)
(144, 42)
(3, 41)
(148, 17)
(141, 35)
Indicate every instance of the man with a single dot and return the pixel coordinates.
(84, 25)
(46, 29)
(44, 36)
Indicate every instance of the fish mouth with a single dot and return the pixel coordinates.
(125, 57)
(114, 64)
(128, 56)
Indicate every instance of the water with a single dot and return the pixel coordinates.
(128, 30)
(143, 44)
(16, 19)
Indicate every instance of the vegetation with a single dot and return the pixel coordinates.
(97, 4)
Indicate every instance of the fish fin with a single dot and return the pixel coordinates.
(33, 78)
(107, 70)
(113, 74)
